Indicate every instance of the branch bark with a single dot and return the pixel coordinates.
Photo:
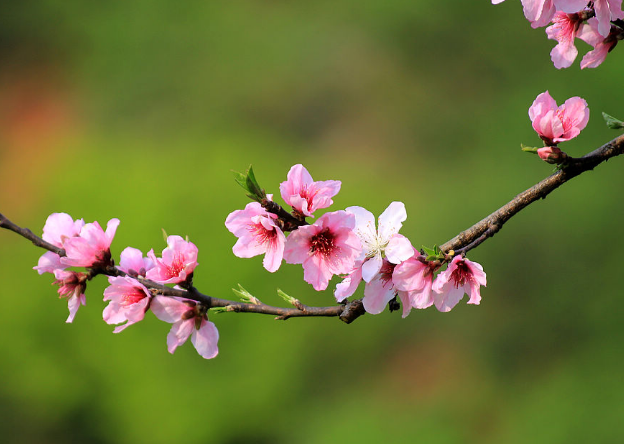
(490, 225)
(349, 311)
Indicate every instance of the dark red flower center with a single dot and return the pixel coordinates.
(322, 242)
(461, 274)
(386, 271)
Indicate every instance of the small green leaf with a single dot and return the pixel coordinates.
(249, 183)
(241, 179)
(612, 122)
(165, 235)
(528, 149)
(433, 254)
(429, 251)
(287, 298)
(245, 296)
(219, 310)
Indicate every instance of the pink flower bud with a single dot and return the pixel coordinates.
(551, 154)
(72, 287)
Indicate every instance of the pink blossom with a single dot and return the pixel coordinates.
(558, 124)
(350, 283)
(304, 195)
(258, 233)
(189, 319)
(72, 287)
(541, 12)
(92, 247)
(415, 276)
(178, 261)
(538, 12)
(327, 247)
(131, 261)
(461, 276)
(58, 228)
(564, 29)
(607, 10)
(381, 290)
(129, 300)
(48, 262)
(588, 32)
(384, 241)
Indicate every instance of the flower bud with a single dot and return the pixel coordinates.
(551, 154)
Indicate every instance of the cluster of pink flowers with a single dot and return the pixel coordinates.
(571, 19)
(88, 246)
(347, 243)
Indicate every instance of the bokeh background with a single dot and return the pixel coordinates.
(140, 110)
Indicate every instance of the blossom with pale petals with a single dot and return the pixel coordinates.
(58, 228)
(381, 290)
(541, 12)
(304, 195)
(607, 10)
(188, 319)
(415, 276)
(349, 283)
(558, 124)
(129, 300)
(91, 248)
(382, 242)
(178, 261)
(72, 287)
(133, 262)
(563, 30)
(48, 262)
(258, 233)
(326, 248)
(460, 277)
(588, 32)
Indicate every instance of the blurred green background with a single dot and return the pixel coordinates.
(139, 110)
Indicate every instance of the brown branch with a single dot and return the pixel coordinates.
(490, 225)
(25, 232)
(348, 312)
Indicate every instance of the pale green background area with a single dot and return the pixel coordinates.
(139, 110)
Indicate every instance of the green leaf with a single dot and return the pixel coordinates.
(429, 251)
(612, 122)
(433, 254)
(528, 149)
(249, 183)
(245, 296)
(287, 298)
(218, 310)
(241, 179)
